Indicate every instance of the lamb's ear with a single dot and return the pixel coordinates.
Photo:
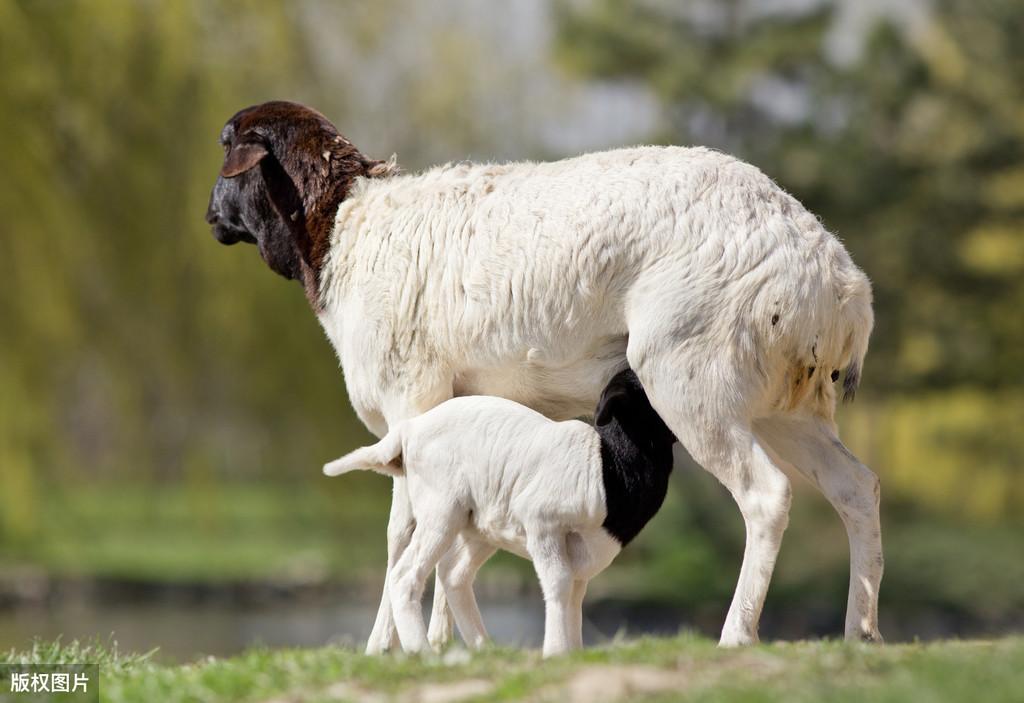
(242, 157)
(609, 398)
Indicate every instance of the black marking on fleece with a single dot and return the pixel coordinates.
(636, 456)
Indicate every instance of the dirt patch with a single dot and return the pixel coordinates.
(447, 692)
(607, 684)
(624, 682)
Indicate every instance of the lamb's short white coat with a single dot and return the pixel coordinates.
(491, 473)
(538, 281)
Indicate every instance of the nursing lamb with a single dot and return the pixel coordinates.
(538, 282)
(495, 474)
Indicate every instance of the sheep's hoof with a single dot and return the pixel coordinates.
(730, 640)
(874, 637)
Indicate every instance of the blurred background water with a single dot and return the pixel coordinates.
(166, 402)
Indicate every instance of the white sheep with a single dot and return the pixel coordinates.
(537, 282)
(494, 474)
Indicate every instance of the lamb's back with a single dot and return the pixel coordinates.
(507, 462)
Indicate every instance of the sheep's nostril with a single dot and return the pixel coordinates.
(212, 216)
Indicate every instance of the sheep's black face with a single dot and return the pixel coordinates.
(225, 213)
(241, 210)
(286, 169)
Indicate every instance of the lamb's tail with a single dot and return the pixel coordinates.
(857, 320)
(384, 457)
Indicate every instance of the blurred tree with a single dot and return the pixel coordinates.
(132, 346)
(913, 154)
(131, 342)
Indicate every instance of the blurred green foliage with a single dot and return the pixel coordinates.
(234, 531)
(165, 402)
(133, 347)
(914, 155)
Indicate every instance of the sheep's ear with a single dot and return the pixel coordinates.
(605, 407)
(242, 157)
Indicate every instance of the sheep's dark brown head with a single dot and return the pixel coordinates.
(286, 206)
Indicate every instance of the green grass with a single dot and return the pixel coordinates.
(106, 655)
(683, 668)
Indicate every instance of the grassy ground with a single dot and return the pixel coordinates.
(674, 669)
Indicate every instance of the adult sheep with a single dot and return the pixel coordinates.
(538, 282)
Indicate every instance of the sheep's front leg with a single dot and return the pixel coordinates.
(551, 562)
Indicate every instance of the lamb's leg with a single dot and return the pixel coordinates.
(551, 562)
(579, 591)
(811, 446)
(440, 631)
(432, 536)
(457, 570)
(400, 528)
(429, 392)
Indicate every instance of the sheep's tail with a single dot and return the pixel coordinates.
(384, 457)
(857, 320)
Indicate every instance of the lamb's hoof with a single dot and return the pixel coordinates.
(376, 646)
(867, 637)
(440, 632)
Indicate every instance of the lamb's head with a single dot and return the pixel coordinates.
(624, 401)
(286, 207)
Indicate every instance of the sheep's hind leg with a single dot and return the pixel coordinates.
(384, 635)
(708, 414)
(811, 446)
(401, 524)
(456, 571)
(430, 539)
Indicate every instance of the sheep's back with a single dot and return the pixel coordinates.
(532, 266)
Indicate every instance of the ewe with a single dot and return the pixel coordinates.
(537, 282)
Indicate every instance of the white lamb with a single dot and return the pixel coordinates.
(492, 473)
